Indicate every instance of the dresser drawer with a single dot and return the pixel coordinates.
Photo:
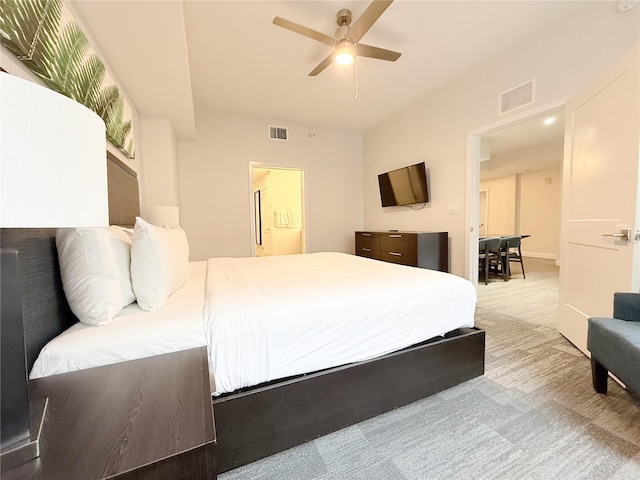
(401, 258)
(368, 252)
(405, 243)
(370, 240)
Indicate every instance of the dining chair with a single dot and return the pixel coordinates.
(504, 255)
(489, 255)
(511, 252)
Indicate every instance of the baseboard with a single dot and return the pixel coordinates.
(547, 256)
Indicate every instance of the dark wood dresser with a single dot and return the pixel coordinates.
(147, 419)
(417, 249)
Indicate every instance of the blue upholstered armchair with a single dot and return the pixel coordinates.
(614, 344)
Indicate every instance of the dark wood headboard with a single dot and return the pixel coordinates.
(124, 197)
(46, 312)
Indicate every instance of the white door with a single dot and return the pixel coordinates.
(600, 198)
(482, 212)
(267, 221)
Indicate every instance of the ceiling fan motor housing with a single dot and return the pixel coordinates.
(343, 17)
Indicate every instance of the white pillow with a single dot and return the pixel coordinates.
(94, 266)
(121, 241)
(159, 263)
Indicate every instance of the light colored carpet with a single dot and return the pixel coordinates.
(533, 415)
(534, 299)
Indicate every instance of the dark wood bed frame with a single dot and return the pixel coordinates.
(270, 418)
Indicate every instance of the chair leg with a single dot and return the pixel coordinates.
(521, 262)
(486, 271)
(486, 265)
(599, 375)
(504, 263)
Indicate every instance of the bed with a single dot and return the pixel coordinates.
(292, 396)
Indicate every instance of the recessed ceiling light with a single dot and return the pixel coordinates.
(627, 5)
(549, 120)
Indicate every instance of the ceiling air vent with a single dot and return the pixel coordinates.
(278, 133)
(517, 97)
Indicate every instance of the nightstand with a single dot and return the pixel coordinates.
(146, 419)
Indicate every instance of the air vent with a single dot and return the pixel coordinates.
(278, 133)
(517, 97)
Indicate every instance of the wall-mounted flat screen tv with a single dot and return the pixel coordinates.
(404, 186)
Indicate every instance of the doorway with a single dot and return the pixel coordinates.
(518, 185)
(487, 152)
(277, 210)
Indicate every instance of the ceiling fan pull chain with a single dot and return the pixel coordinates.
(355, 61)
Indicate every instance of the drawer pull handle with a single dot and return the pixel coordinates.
(395, 254)
(366, 249)
(365, 234)
(395, 236)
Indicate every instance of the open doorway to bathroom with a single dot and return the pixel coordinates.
(277, 206)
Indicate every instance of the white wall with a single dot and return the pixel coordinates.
(527, 203)
(539, 216)
(159, 161)
(215, 190)
(501, 205)
(286, 195)
(562, 58)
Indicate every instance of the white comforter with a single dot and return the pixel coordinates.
(273, 317)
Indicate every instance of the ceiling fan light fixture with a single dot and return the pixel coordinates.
(345, 53)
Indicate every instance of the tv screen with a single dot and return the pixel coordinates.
(404, 186)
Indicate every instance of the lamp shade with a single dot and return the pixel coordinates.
(53, 168)
(160, 215)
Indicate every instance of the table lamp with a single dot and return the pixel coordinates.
(53, 173)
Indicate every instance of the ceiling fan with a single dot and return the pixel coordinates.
(346, 38)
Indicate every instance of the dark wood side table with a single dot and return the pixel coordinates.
(147, 419)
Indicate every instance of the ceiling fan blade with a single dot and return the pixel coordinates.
(322, 65)
(368, 18)
(307, 32)
(375, 52)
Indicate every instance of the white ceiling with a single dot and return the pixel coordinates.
(172, 57)
(528, 133)
(527, 146)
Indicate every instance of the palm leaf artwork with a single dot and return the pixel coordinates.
(117, 128)
(107, 98)
(65, 60)
(88, 82)
(30, 29)
(129, 148)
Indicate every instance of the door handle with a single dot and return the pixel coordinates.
(623, 235)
